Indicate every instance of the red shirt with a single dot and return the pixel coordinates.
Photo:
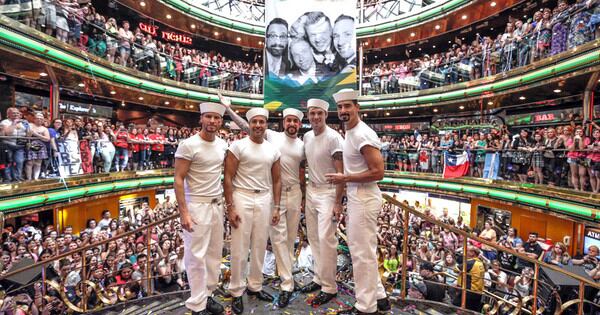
(157, 147)
(121, 141)
(134, 147)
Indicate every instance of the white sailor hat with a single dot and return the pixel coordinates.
(315, 102)
(259, 111)
(345, 95)
(293, 112)
(212, 108)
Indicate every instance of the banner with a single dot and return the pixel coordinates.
(69, 159)
(310, 51)
(456, 165)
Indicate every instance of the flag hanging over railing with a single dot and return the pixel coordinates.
(456, 165)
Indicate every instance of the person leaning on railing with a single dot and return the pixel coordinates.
(475, 276)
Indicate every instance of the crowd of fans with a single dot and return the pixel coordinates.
(548, 32)
(435, 254)
(120, 42)
(116, 262)
(560, 156)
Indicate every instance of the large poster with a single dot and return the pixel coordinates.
(310, 51)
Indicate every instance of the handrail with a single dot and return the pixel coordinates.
(91, 246)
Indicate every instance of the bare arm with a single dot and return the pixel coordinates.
(182, 166)
(276, 175)
(338, 163)
(375, 172)
(231, 166)
(241, 122)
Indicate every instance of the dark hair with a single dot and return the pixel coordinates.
(278, 21)
(533, 233)
(344, 17)
(315, 16)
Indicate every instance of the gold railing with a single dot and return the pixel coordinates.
(520, 306)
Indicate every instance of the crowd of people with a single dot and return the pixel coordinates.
(435, 254)
(118, 41)
(120, 262)
(561, 156)
(550, 31)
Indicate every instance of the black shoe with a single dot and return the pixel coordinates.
(202, 312)
(312, 286)
(322, 298)
(214, 307)
(261, 295)
(383, 305)
(237, 305)
(284, 299)
(353, 311)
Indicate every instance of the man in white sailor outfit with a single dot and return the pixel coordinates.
(283, 235)
(252, 195)
(323, 149)
(198, 169)
(363, 167)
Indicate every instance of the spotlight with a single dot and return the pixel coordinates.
(81, 84)
(557, 91)
(142, 3)
(461, 107)
(193, 26)
(464, 17)
(410, 112)
(239, 39)
(387, 114)
(437, 27)
(168, 16)
(490, 103)
(389, 39)
(493, 4)
(167, 102)
(522, 98)
(141, 98)
(113, 92)
(435, 110)
(412, 34)
(43, 74)
(216, 33)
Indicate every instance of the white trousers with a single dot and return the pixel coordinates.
(250, 238)
(364, 204)
(203, 249)
(283, 235)
(321, 229)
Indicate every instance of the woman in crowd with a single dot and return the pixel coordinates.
(594, 160)
(37, 148)
(576, 145)
(558, 255)
(104, 146)
(537, 158)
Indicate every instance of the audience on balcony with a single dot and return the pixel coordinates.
(547, 33)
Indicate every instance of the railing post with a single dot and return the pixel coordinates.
(581, 298)
(148, 262)
(536, 273)
(463, 287)
(404, 253)
(82, 285)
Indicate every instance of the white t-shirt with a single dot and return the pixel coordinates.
(356, 138)
(204, 177)
(319, 151)
(292, 154)
(255, 162)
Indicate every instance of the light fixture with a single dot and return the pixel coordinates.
(43, 74)
(375, 56)
(122, 103)
(464, 17)
(366, 43)
(142, 3)
(193, 26)
(525, 16)
(493, 4)
(279, 114)
(522, 98)
(419, 48)
(389, 39)
(260, 43)
(237, 111)
(557, 91)
(239, 39)
(491, 28)
(365, 115)
(413, 34)
(113, 92)
(81, 84)
(435, 110)
(437, 26)
(410, 112)
(461, 107)
(216, 33)
(386, 55)
(449, 42)
(168, 16)
(387, 113)
(141, 98)
(167, 102)
(490, 103)
(433, 46)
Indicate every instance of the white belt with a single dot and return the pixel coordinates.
(252, 191)
(321, 186)
(205, 199)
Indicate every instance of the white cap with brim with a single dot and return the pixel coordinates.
(293, 112)
(345, 95)
(212, 108)
(315, 102)
(257, 112)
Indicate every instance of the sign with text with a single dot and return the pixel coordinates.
(310, 51)
(85, 109)
(166, 35)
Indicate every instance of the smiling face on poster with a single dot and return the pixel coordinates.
(310, 50)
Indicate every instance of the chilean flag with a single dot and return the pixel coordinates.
(456, 165)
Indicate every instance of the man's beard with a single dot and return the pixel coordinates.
(291, 130)
(344, 117)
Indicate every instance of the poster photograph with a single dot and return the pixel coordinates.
(310, 51)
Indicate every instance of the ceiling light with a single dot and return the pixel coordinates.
(237, 111)
(260, 43)
(491, 28)
(141, 98)
(142, 3)
(81, 84)
(449, 42)
(168, 16)
(239, 39)
(278, 114)
(464, 17)
(522, 98)
(122, 103)
(461, 107)
(386, 55)
(433, 46)
(490, 103)
(167, 102)
(410, 112)
(419, 49)
(387, 114)
(413, 34)
(389, 39)
(435, 110)
(437, 27)
(193, 26)
(365, 115)
(557, 91)
(493, 3)
(113, 92)
(43, 74)
(375, 57)
(366, 43)
(216, 33)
